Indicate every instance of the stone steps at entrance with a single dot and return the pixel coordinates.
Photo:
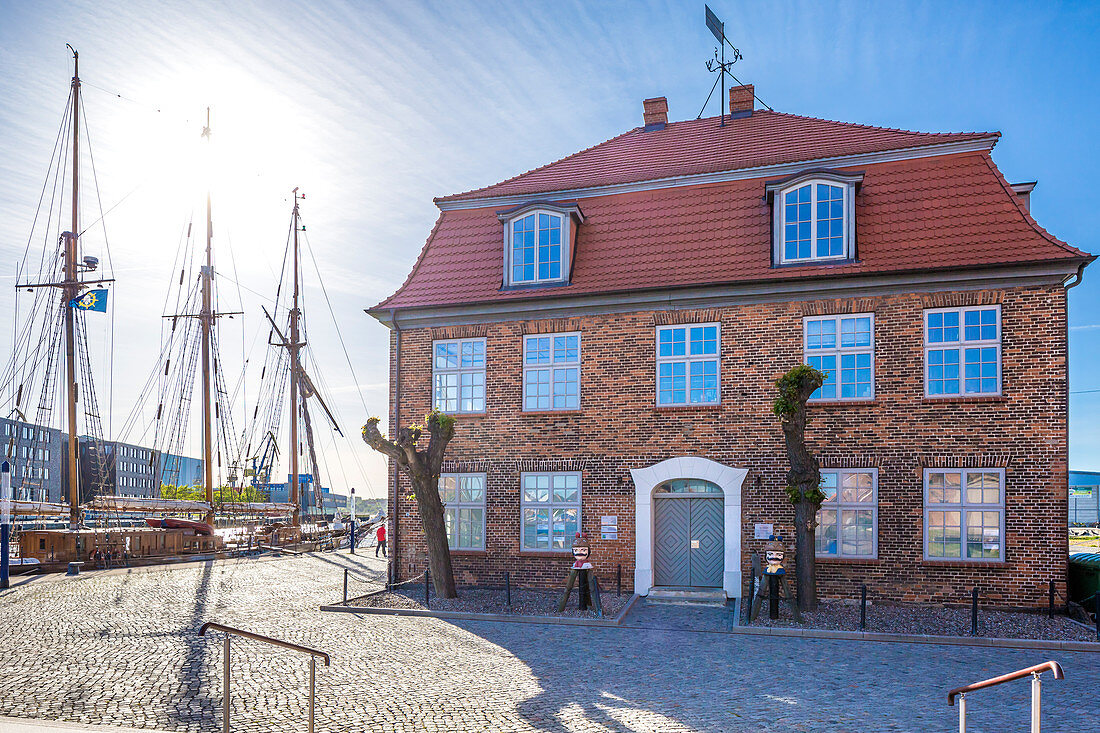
(693, 596)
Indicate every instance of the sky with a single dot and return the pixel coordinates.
(374, 108)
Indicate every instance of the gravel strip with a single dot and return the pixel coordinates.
(525, 602)
(931, 620)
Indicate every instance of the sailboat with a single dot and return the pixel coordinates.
(289, 375)
(52, 341)
(178, 523)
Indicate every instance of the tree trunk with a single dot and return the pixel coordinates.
(428, 502)
(422, 468)
(804, 479)
(805, 515)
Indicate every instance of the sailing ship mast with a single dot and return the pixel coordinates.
(206, 317)
(295, 371)
(301, 387)
(70, 289)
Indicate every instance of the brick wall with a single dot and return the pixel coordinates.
(900, 432)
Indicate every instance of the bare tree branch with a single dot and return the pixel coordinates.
(423, 468)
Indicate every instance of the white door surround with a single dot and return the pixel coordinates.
(687, 467)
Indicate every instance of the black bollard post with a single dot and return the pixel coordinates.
(508, 590)
(1050, 612)
(619, 579)
(863, 606)
(345, 586)
(427, 584)
(773, 597)
(974, 613)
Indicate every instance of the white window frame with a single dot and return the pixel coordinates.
(551, 366)
(688, 358)
(458, 505)
(779, 217)
(839, 351)
(839, 506)
(550, 506)
(961, 346)
(460, 370)
(963, 507)
(566, 241)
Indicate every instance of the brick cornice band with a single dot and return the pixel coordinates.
(840, 306)
(672, 318)
(554, 325)
(472, 330)
(959, 299)
(985, 460)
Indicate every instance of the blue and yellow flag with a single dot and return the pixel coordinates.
(93, 300)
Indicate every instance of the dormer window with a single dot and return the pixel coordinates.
(813, 215)
(536, 248)
(538, 243)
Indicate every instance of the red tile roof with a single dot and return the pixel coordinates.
(701, 146)
(936, 212)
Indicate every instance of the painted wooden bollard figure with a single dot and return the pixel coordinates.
(776, 576)
(588, 589)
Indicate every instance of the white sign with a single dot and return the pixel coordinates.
(763, 531)
(5, 496)
(609, 534)
(612, 521)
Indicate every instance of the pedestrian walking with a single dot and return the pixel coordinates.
(380, 536)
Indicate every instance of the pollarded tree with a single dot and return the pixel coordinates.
(804, 477)
(423, 468)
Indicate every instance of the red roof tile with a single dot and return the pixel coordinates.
(944, 212)
(701, 146)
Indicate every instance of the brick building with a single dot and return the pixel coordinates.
(608, 330)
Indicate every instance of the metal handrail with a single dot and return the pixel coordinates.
(1034, 671)
(231, 631)
(1018, 674)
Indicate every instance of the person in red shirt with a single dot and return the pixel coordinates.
(380, 535)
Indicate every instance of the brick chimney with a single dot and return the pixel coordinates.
(741, 101)
(655, 113)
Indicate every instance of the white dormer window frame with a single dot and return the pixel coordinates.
(814, 217)
(545, 254)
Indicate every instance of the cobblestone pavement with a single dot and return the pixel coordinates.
(122, 648)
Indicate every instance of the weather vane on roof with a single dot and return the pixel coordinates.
(719, 63)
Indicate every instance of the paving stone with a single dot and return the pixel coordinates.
(123, 648)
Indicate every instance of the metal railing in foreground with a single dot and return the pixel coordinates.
(1036, 691)
(230, 631)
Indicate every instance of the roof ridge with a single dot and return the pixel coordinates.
(416, 265)
(917, 140)
(437, 199)
(1027, 217)
(862, 126)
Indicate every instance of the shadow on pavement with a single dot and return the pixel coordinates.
(191, 688)
(638, 679)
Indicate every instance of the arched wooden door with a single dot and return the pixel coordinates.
(689, 539)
